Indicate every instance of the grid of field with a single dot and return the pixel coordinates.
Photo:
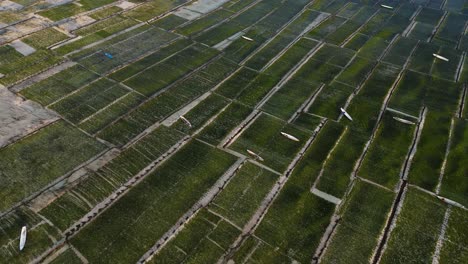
(234, 131)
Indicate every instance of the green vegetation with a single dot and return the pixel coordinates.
(89, 100)
(330, 99)
(154, 205)
(73, 205)
(417, 229)
(203, 240)
(153, 79)
(364, 217)
(169, 22)
(455, 242)
(16, 68)
(453, 185)
(59, 85)
(244, 193)
(37, 160)
(44, 38)
(198, 115)
(264, 138)
(427, 163)
(385, 157)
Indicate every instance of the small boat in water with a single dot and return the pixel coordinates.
(346, 114)
(291, 137)
(440, 57)
(247, 38)
(186, 121)
(23, 238)
(254, 155)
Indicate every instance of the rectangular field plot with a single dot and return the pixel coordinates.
(226, 121)
(44, 38)
(32, 163)
(343, 32)
(233, 86)
(293, 30)
(160, 107)
(334, 55)
(421, 31)
(292, 227)
(429, 16)
(330, 99)
(327, 27)
(356, 42)
(356, 72)
(400, 51)
(95, 32)
(204, 240)
(455, 244)
(106, 116)
(297, 219)
(136, 221)
(365, 106)
(264, 138)
(150, 60)
(244, 193)
(265, 29)
(126, 50)
(417, 229)
(363, 219)
(169, 22)
(152, 9)
(289, 98)
(416, 90)
(423, 58)
(427, 163)
(40, 238)
(339, 166)
(205, 22)
(451, 30)
(447, 70)
(89, 100)
(155, 78)
(307, 170)
(282, 228)
(59, 85)
(201, 113)
(74, 204)
(307, 121)
(454, 184)
(247, 18)
(15, 67)
(384, 160)
(373, 49)
(291, 57)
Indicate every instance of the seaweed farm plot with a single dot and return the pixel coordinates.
(157, 203)
(233, 131)
(267, 140)
(51, 148)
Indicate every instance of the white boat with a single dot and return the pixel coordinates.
(291, 137)
(346, 114)
(254, 154)
(404, 121)
(23, 238)
(386, 6)
(247, 38)
(186, 121)
(440, 57)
